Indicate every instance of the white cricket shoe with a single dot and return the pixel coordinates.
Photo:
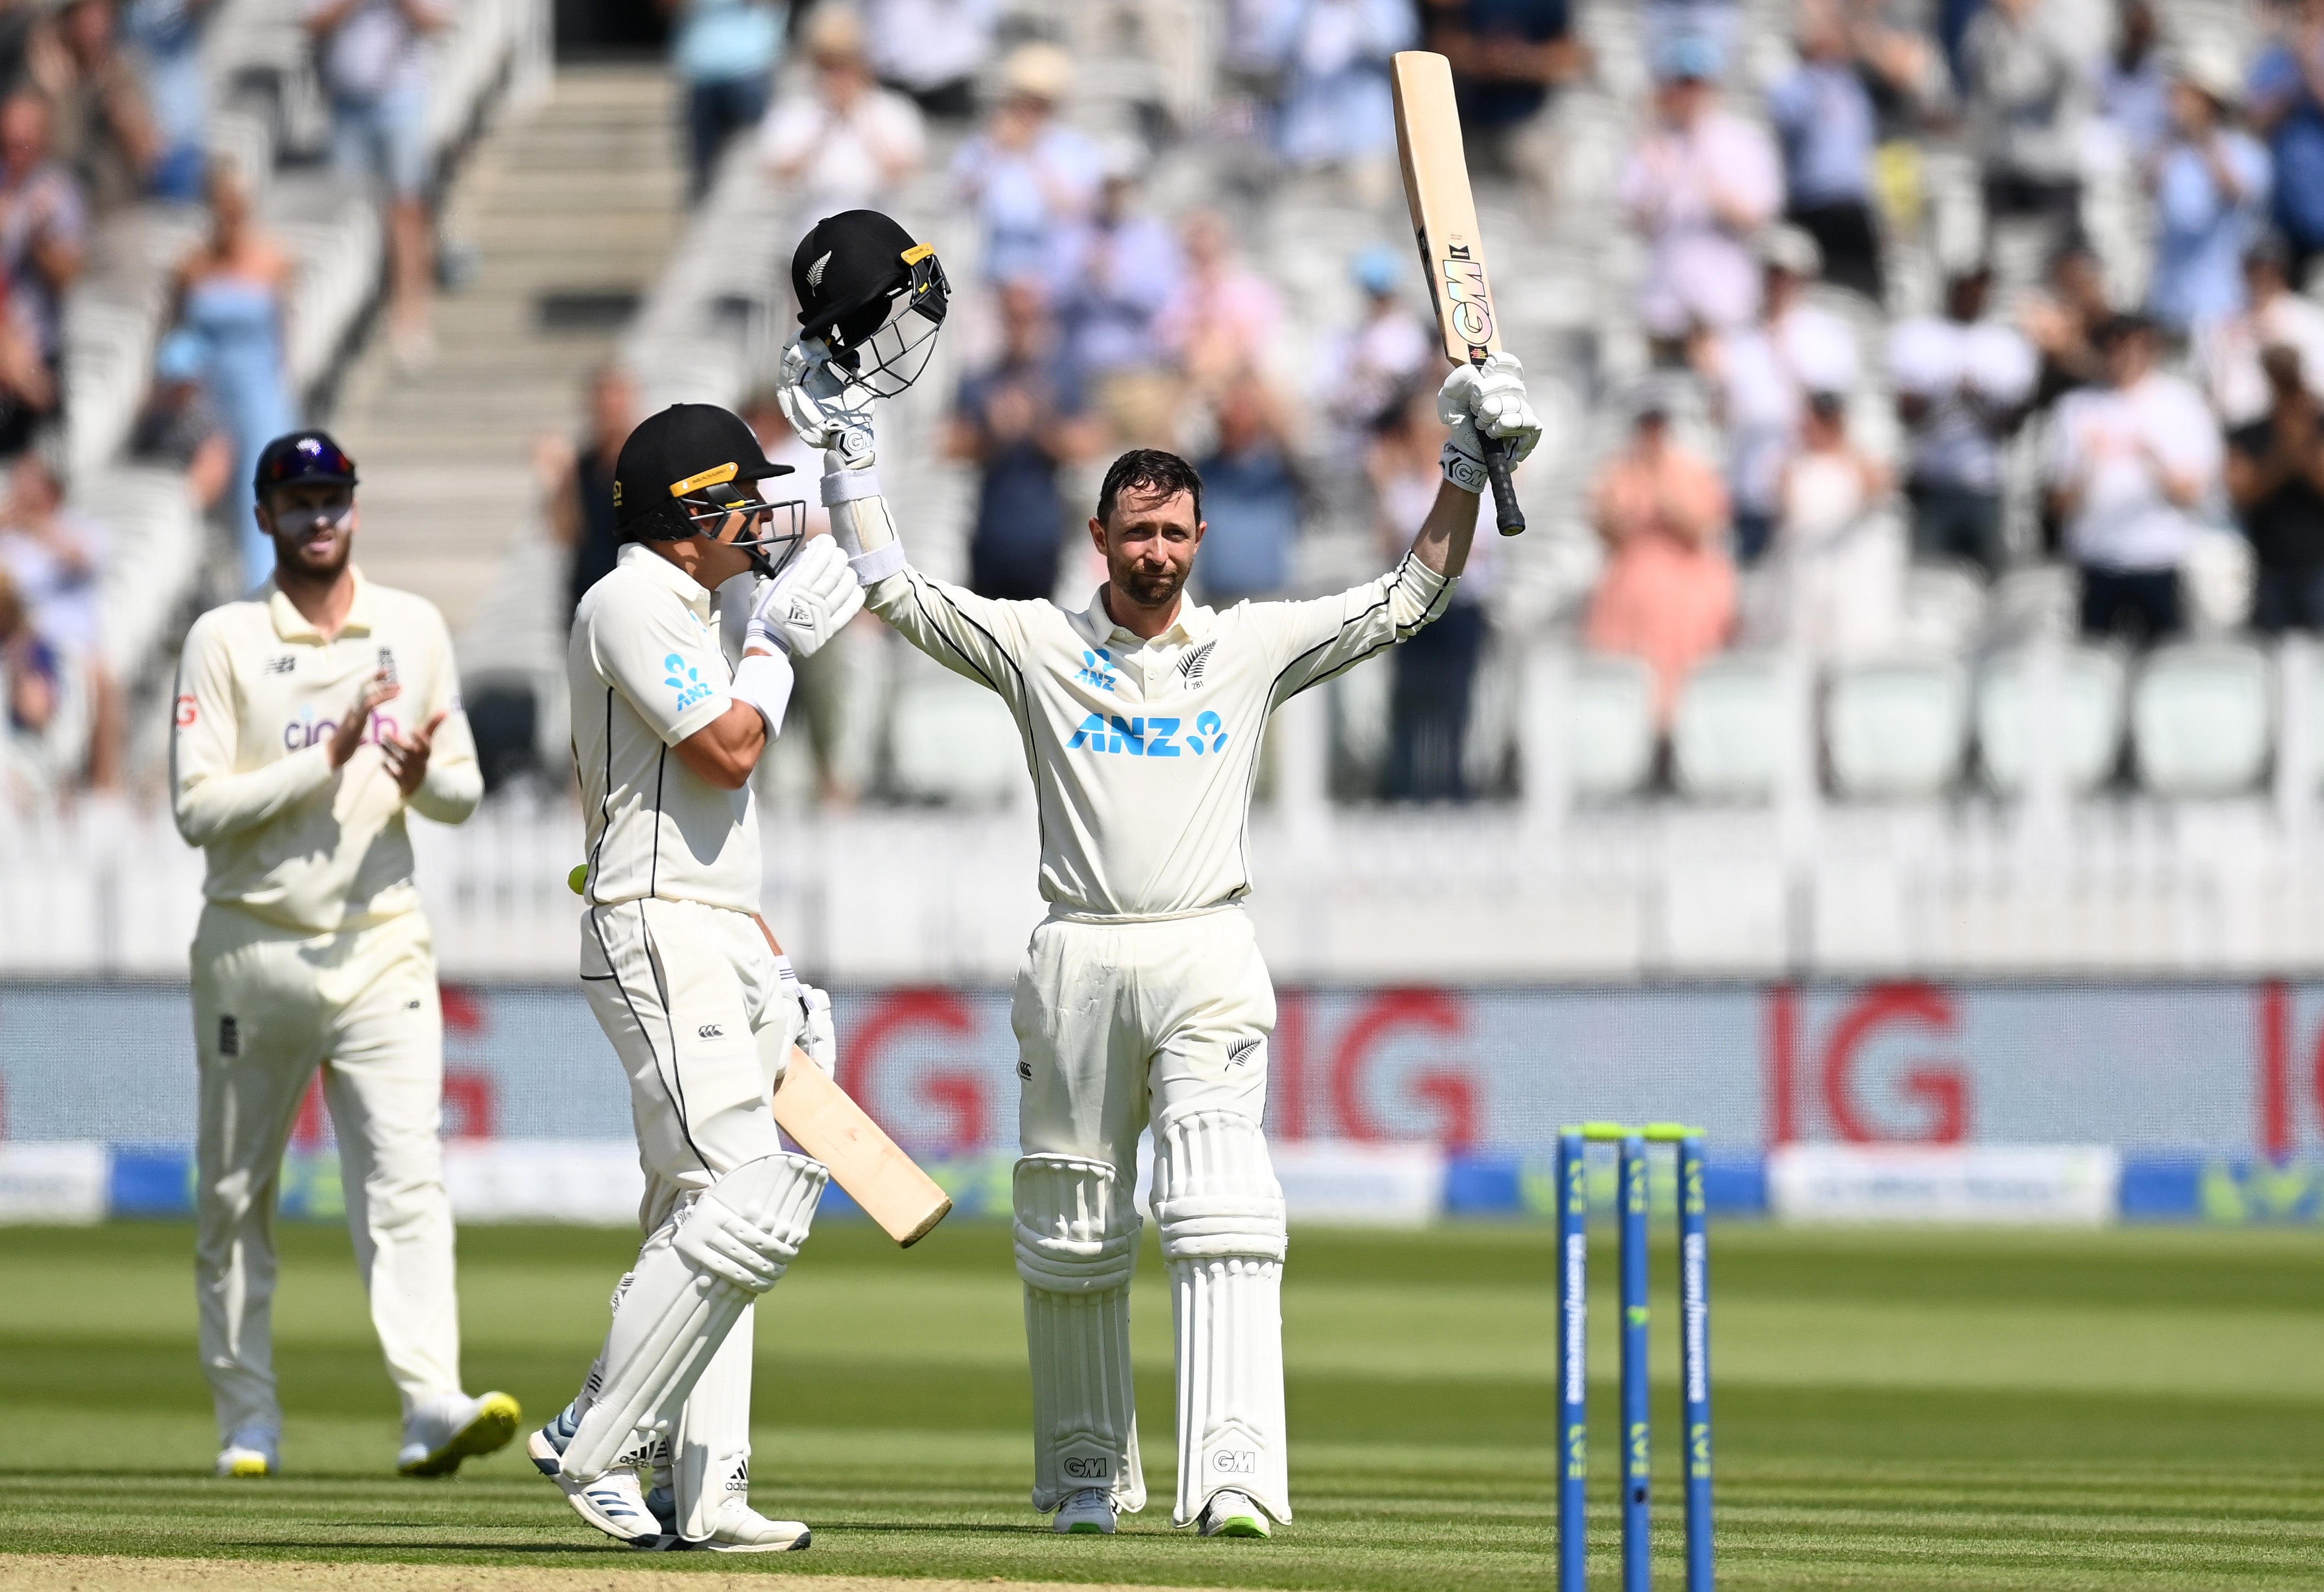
(737, 1528)
(1230, 1514)
(454, 1427)
(614, 1503)
(1090, 1511)
(251, 1451)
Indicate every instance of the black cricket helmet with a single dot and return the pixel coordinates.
(682, 472)
(876, 298)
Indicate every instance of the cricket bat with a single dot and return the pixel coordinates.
(823, 1121)
(1444, 221)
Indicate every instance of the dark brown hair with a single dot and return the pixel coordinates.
(1148, 469)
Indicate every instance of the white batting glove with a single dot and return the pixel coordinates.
(1487, 398)
(808, 603)
(816, 1035)
(733, 1249)
(828, 408)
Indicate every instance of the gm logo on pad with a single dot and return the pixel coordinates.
(1088, 1466)
(1235, 1462)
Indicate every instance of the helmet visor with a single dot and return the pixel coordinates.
(771, 535)
(888, 344)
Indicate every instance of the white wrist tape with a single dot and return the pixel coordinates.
(845, 486)
(764, 679)
(867, 536)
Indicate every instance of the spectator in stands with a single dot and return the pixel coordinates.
(1700, 184)
(2227, 361)
(44, 232)
(30, 668)
(230, 292)
(165, 40)
(1336, 110)
(1668, 592)
(1251, 498)
(1963, 383)
(2134, 88)
(1225, 318)
(2210, 184)
(1840, 567)
(2028, 96)
(932, 49)
(179, 425)
(2063, 324)
(55, 557)
(2275, 477)
(725, 52)
(578, 483)
(2287, 109)
(2129, 463)
(375, 67)
(1435, 671)
(1509, 58)
(1763, 374)
(1030, 178)
(849, 145)
(1017, 422)
(1823, 114)
(104, 130)
(1114, 275)
(1369, 369)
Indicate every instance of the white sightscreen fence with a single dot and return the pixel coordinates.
(2231, 1068)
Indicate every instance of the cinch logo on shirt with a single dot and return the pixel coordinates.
(1097, 670)
(1147, 738)
(687, 682)
(306, 729)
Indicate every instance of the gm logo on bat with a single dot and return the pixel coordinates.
(1148, 738)
(1465, 292)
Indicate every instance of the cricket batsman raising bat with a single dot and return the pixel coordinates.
(1142, 996)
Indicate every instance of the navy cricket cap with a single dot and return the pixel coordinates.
(687, 450)
(300, 457)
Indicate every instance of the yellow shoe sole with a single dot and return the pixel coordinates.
(245, 1467)
(495, 1423)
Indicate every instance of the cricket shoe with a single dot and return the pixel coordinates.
(1088, 1512)
(1230, 1514)
(736, 1528)
(251, 1451)
(453, 1427)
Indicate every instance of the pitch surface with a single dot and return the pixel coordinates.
(2122, 1410)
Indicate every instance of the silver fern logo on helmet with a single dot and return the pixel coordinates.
(815, 272)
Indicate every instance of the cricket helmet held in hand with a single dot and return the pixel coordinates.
(682, 472)
(874, 297)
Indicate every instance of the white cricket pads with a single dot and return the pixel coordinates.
(1077, 1245)
(808, 603)
(828, 407)
(1488, 398)
(1221, 1211)
(711, 1448)
(731, 1247)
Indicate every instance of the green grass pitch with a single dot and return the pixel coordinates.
(2140, 1409)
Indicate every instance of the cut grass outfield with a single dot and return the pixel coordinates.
(2140, 1409)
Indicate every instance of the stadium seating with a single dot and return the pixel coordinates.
(2203, 715)
(950, 740)
(1896, 729)
(1729, 736)
(2086, 730)
(1609, 738)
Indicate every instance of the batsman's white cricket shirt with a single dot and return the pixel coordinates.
(1143, 753)
(646, 671)
(290, 839)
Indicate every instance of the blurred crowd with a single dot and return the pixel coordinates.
(104, 107)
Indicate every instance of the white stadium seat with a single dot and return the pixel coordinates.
(2089, 717)
(1896, 729)
(1727, 739)
(2202, 719)
(1944, 605)
(951, 741)
(1609, 715)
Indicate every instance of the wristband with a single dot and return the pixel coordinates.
(759, 632)
(787, 979)
(1463, 471)
(845, 486)
(764, 679)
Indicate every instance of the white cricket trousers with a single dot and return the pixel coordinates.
(271, 1006)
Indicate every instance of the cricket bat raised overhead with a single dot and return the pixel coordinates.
(874, 1171)
(1444, 221)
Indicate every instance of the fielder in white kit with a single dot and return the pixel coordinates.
(1142, 996)
(683, 976)
(309, 716)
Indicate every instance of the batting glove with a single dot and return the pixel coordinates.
(817, 1037)
(734, 1249)
(807, 604)
(1490, 399)
(828, 408)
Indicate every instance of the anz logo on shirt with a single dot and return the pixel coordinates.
(687, 682)
(1097, 670)
(1148, 737)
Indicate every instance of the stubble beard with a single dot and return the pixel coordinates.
(1152, 591)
